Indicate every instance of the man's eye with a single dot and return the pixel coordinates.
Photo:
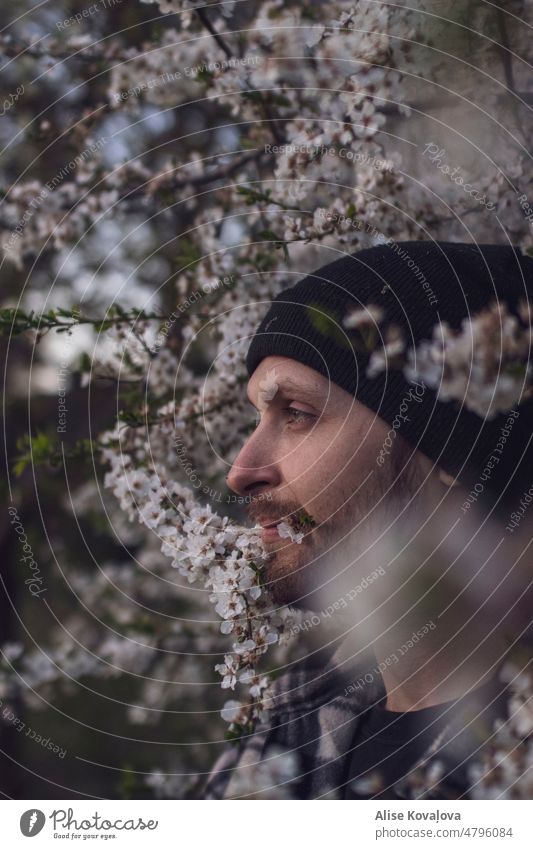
(298, 416)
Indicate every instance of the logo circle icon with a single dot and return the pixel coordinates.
(32, 822)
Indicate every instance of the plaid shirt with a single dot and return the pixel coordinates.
(315, 713)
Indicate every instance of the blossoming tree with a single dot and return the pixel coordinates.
(201, 156)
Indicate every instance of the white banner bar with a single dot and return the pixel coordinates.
(264, 824)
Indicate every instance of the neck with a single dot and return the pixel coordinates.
(434, 668)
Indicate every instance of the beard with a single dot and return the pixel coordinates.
(295, 574)
(284, 568)
(311, 573)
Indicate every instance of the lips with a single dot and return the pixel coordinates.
(269, 529)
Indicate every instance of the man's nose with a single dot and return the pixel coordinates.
(254, 470)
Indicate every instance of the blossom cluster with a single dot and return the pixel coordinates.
(503, 771)
(483, 365)
(218, 554)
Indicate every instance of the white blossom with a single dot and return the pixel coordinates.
(286, 531)
(483, 365)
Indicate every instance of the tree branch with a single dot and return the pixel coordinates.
(272, 119)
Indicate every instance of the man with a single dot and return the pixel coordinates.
(394, 439)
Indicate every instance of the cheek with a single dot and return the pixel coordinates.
(327, 465)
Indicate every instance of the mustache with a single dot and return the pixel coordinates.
(288, 511)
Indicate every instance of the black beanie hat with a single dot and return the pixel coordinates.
(411, 288)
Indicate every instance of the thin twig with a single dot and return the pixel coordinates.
(144, 189)
(202, 15)
(507, 58)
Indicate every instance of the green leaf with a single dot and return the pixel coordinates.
(130, 418)
(254, 96)
(204, 75)
(304, 519)
(328, 323)
(129, 783)
(43, 449)
(234, 734)
(188, 255)
(278, 241)
(36, 450)
(85, 363)
(280, 100)
(516, 369)
(253, 196)
(19, 466)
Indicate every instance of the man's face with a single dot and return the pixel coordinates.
(314, 449)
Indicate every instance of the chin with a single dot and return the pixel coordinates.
(286, 575)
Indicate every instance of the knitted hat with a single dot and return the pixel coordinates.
(434, 337)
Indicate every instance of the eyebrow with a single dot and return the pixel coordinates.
(288, 386)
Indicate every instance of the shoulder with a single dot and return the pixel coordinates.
(482, 754)
(289, 721)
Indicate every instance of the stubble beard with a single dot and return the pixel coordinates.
(284, 568)
(292, 572)
(295, 573)
(285, 571)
